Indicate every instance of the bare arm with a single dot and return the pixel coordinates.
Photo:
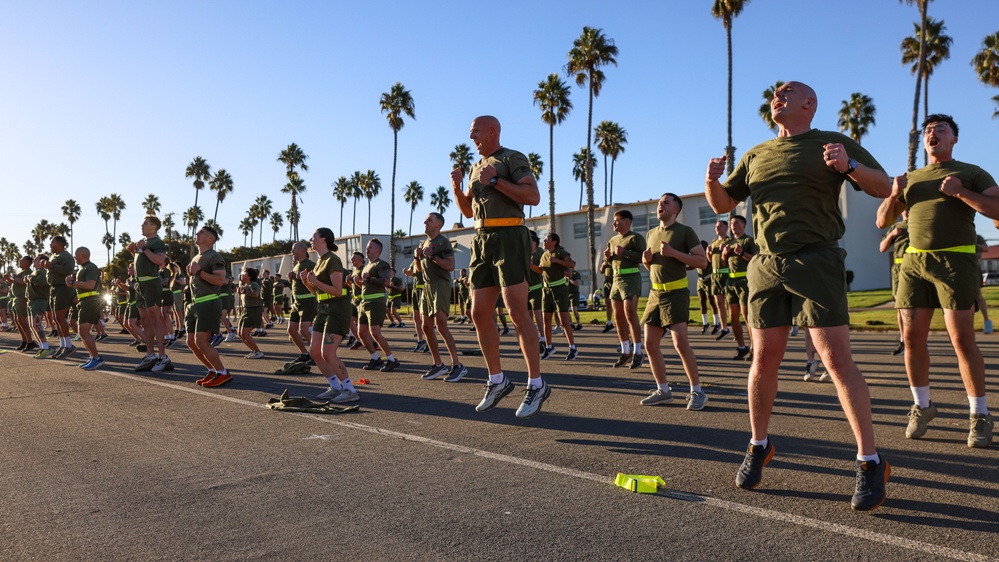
(462, 199)
(888, 240)
(891, 207)
(719, 199)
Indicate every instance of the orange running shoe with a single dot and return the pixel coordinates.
(208, 376)
(218, 380)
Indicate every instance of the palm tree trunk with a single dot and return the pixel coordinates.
(926, 108)
(551, 179)
(353, 228)
(605, 180)
(215, 217)
(369, 215)
(613, 160)
(342, 205)
(590, 224)
(582, 188)
(411, 211)
(395, 154)
(294, 214)
(729, 149)
(914, 133)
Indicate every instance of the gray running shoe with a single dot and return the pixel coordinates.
(434, 372)
(255, 355)
(390, 366)
(457, 371)
(330, 393)
(825, 377)
(636, 360)
(374, 364)
(346, 396)
(696, 401)
(623, 360)
(658, 397)
(980, 434)
(533, 398)
(66, 352)
(147, 363)
(810, 369)
(919, 420)
(162, 365)
(494, 392)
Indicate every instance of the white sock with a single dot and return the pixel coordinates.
(626, 347)
(44, 345)
(663, 386)
(334, 383)
(497, 378)
(715, 316)
(638, 348)
(978, 405)
(535, 382)
(696, 388)
(390, 357)
(921, 396)
(868, 458)
(349, 385)
(374, 356)
(572, 347)
(762, 443)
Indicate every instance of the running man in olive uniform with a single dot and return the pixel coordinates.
(207, 275)
(940, 270)
(897, 239)
(719, 278)
(535, 291)
(371, 314)
(704, 294)
(795, 181)
(416, 295)
(737, 253)
(87, 283)
(4, 303)
(333, 314)
(575, 280)
(499, 185)
(38, 305)
(252, 311)
(178, 288)
(673, 248)
(267, 296)
(554, 263)
(394, 289)
(608, 272)
(58, 266)
(981, 246)
(624, 252)
(19, 287)
(435, 260)
(228, 292)
(277, 302)
(304, 303)
(150, 254)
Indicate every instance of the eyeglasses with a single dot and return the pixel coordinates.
(936, 128)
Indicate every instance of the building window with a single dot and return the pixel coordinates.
(579, 230)
(707, 215)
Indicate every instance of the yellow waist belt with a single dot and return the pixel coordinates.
(969, 249)
(418, 286)
(178, 291)
(87, 294)
(722, 271)
(558, 283)
(736, 274)
(305, 296)
(324, 297)
(373, 296)
(626, 271)
(145, 279)
(207, 298)
(898, 260)
(535, 287)
(493, 223)
(671, 286)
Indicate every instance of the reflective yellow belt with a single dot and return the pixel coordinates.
(324, 297)
(535, 287)
(558, 283)
(305, 296)
(969, 249)
(671, 286)
(178, 291)
(87, 294)
(898, 260)
(207, 298)
(418, 286)
(626, 271)
(144, 279)
(493, 223)
(373, 296)
(736, 274)
(122, 302)
(722, 271)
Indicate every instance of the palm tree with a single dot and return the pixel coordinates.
(579, 170)
(620, 136)
(221, 184)
(611, 138)
(103, 206)
(124, 239)
(914, 132)
(252, 219)
(394, 104)
(264, 206)
(537, 167)
(856, 116)
(461, 157)
(413, 196)
(768, 96)
(589, 52)
(728, 10)
(193, 217)
(356, 192)
(341, 192)
(552, 96)
(201, 172)
(602, 134)
(151, 205)
(441, 199)
(371, 185)
(995, 114)
(986, 61)
(293, 157)
(169, 226)
(937, 50)
(115, 206)
(276, 223)
(72, 211)
(293, 216)
(246, 227)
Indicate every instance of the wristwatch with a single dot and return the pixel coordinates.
(852, 166)
(493, 180)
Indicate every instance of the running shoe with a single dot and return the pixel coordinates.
(346, 396)
(658, 397)
(218, 380)
(636, 360)
(94, 363)
(534, 397)
(722, 334)
(872, 478)
(696, 401)
(390, 366)
(330, 393)
(623, 360)
(549, 351)
(980, 430)
(919, 420)
(374, 364)
(255, 355)
(147, 363)
(750, 474)
(494, 393)
(741, 353)
(573, 352)
(163, 364)
(607, 328)
(434, 372)
(457, 371)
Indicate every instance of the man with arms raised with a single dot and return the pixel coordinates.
(434, 257)
(499, 185)
(150, 254)
(304, 303)
(58, 267)
(206, 276)
(624, 253)
(795, 181)
(87, 283)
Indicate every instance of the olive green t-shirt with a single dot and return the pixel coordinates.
(21, 291)
(901, 241)
(298, 287)
(574, 288)
(441, 248)
(938, 221)
(736, 264)
(249, 300)
(715, 252)
(144, 267)
(355, 289)
(327, 265)
(533, 277)
(489, 202)
(38, 286)
(795, 195)
(608, 270)
(633, 245)
(552, 272)
(60, 265)
(88, 272)
(376, 269)
(396, 282)
(210, 262)
(680, 237)
(267, 289)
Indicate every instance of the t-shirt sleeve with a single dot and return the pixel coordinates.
(736, 184)
(690, 239)
(519, 167)
(981, 181)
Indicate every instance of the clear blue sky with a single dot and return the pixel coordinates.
(103, 97)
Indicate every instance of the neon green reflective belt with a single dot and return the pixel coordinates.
(558, 283)
(373, 296)
(626, 271)
(145, 279)
(418, 286)
(305, 296)
(736, 274)
(722, 271)
(122, 302)
(671, 286)
(969, 249)
(535, 287)
(87, 294)
(323, 297)
(207, 298)
(898, 260)
(178, 291)
(131, 303)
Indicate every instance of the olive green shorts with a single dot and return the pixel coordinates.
(166, 298)
(305, 310)
(556, 299)
(718, 282)
(74, 312)
(808, 287)
(204, 317)
(20, 307)
(132, 311)
(148, 293)
(704, 285)
(626, 286)
(61, 297)
(573, 299)
(665, 308)
(894, 278)
(227, 302)
(947, 280)
(536, 299)
(436, 297)
(89, 310)
(252, 317)
(501, 257)
(395, 301)
(332, 319)
(372, 312)
(38, 306)
(737, 291)
(178, 300)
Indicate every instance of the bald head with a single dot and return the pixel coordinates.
(82, 255)
(299, 249)
(487, 121)
(485, 134)
(793, 107)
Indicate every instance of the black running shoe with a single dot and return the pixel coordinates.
(871, 480)
(607, 328)
(741, 353)
(751, 472)
(899, 350)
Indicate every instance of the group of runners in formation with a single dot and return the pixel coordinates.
(792, 275)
